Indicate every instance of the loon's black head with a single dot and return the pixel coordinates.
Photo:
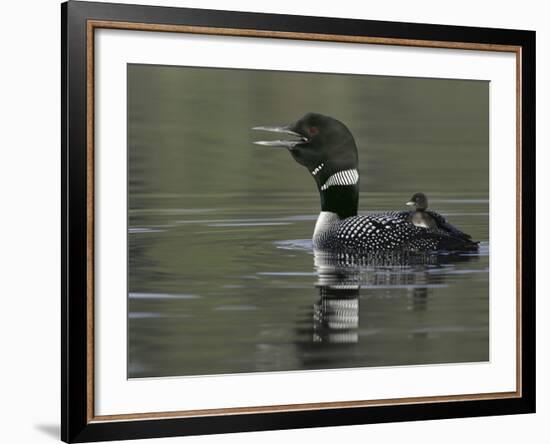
(419, 201)
(323, 145)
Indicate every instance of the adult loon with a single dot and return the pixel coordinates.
(326, 147)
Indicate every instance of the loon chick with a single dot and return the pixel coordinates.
(420, 218)
(326, 147)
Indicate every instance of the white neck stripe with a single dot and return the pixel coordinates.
(317, 169)
(346, 177)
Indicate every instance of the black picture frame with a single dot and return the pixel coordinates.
(76, 423)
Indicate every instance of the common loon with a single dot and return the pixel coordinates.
(420, 217)
(326, 147)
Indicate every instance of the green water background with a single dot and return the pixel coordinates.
(220, 276)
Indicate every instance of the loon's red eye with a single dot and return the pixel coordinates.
(313, 130)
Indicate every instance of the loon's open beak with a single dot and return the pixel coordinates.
(410, 203)
(280, 143)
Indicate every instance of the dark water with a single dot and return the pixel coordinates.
(222, 277)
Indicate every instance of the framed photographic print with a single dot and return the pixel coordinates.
(276, 221)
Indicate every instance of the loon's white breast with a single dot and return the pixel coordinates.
(324, 226)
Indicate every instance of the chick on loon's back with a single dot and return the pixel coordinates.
(327, 149)
(420, 217)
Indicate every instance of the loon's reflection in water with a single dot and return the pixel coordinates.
(347, 282)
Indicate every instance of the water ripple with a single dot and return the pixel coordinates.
(235, 308)
(295, 244)
(151, 296)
